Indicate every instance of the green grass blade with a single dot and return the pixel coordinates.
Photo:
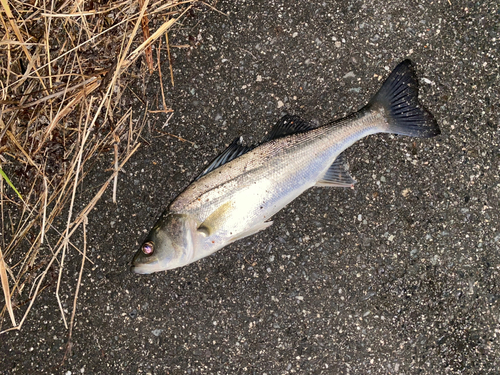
(10, 183)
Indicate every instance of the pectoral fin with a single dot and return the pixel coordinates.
(252, 230)
(215, 220)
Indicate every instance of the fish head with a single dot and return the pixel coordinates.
(170, 244)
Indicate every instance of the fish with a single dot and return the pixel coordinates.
(239, 192)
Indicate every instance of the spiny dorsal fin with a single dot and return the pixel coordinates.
(234, 150)
(288, 124)
(338, 174)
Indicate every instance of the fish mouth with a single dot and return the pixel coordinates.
(144, 269)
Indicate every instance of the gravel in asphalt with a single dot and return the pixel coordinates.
(399, 275)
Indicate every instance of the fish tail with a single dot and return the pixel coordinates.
(399, 97)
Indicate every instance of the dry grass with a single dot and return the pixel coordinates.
(64, 67)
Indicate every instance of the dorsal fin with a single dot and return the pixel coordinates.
(338, 174)
(234, 150)
(288, 124)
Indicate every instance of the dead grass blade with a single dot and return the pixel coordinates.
(13, 24)
(6, 289)
(69, 344)
(68, 108)
(148, 52)
(157, 34)
(68, 233)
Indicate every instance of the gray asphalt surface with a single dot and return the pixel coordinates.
(400, 275)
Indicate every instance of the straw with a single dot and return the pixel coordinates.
(60, 89)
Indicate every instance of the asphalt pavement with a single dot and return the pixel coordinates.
(398, 275)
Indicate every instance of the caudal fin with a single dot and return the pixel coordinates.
(399, 96)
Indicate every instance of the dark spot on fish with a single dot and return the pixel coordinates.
(148, 248)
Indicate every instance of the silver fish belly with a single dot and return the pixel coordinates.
(241, 191)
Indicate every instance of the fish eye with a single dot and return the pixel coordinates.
(148, 248)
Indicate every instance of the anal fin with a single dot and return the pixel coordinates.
(338, 174)
(257, 228)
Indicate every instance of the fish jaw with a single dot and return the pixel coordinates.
(146, 269)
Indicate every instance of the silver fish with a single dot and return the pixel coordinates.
(237, 195)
